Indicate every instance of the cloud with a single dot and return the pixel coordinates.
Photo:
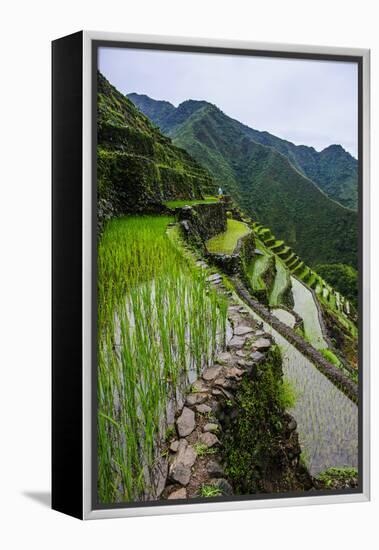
(304, 101)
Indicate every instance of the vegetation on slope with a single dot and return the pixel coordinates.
(257, 270)
(342, 277)
(281, 289)
(325, 293)
(338, 314)
(333, 169)
(157, 111)
(157, 319)
(269, 188)
(254, 452)
(261, 273)
(138, 167)
(181, 203)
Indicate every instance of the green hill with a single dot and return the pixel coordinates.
(157, 111)
(138, 167)
(334, 170)
(267, 185)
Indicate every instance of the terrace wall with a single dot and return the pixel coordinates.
(339, 379)
(237, 262)
(203, 221)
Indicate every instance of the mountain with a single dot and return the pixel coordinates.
(267, 185)
(137, 166)
(156, 111)
(334, 170)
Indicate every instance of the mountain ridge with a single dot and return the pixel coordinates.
(267, 185)
(332, 169)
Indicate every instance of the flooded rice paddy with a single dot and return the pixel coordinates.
(327, 419)
(305, 306)
(284, 316)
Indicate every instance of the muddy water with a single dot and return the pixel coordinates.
(327, 419)
(305, 306)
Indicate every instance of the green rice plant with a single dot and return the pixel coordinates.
(158, 319)
(331, 357)
(180, 204)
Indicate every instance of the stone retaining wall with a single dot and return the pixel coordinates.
(205, 420)
(235, 263)
(299, 323)
(202, 221)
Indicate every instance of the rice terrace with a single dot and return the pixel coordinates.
(227, 307)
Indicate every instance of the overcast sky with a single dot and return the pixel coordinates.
(307, 102)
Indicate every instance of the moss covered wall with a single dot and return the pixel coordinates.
(236, 263)
(260, 445)
(138, 167)
(201, 222)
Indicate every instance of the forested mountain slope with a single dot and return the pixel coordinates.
(266, 184)
(334, 170)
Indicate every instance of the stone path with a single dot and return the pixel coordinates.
(195, 458)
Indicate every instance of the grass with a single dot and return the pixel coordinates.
(256, 269)
(180, 204)
(203, 450)
(331, 357)
(281, 283)
(208, 491)
(158, 319)
(287, 395)
(225, 243)
(333, 476)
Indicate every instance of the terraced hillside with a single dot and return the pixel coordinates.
(266, 184)
(288, 282)
(219, 345)
(138, 167)
(225, 243)
(298, 268)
